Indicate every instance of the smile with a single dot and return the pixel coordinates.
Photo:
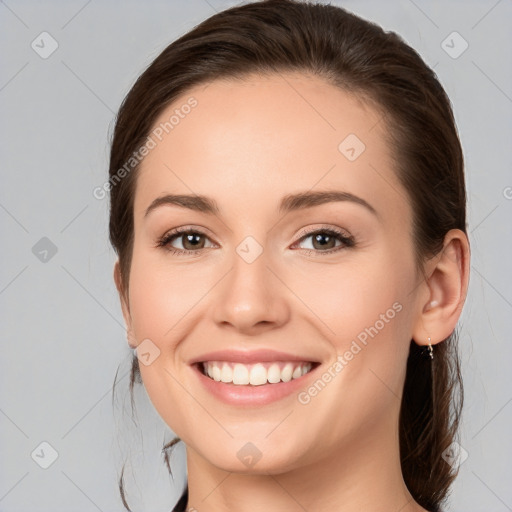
(254, 384)
(258, 374)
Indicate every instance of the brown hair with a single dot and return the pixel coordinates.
(380, 68)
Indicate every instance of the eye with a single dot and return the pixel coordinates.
(190, 240)
(324, 241)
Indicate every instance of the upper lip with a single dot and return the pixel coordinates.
(250, 356)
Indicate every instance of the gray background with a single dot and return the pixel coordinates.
(63, 336)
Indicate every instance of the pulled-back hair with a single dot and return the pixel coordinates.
(359, 57)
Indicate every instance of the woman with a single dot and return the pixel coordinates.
(288, 208)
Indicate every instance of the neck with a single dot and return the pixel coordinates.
(363, 474)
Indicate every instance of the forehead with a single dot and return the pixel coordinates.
(252, 141)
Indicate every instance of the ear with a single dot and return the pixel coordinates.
(445, 290)
(125, 306)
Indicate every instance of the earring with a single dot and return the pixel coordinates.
(430, 349)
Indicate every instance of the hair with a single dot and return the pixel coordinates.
(379, 68)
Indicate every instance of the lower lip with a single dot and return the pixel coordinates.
(252, 395)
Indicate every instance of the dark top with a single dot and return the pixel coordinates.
(182, 503)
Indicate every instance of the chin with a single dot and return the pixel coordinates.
(254, 458)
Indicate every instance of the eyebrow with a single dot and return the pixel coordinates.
(290, 202)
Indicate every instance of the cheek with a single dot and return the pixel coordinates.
(163, 297)
(364, 314)
(366, 320)
(164, 303)
(348, 298)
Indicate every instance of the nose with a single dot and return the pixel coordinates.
(251, 299)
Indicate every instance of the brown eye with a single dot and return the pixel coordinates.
(327, 241)
(184, 241)
(323, 241)
(192, 241)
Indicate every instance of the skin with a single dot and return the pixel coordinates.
(248, 144)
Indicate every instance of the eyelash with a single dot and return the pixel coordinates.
(347, 241)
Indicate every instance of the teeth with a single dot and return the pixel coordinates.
(297, 373)
(274, 374)
(286, 373)
(216, 373)
(226, 374)
(255, 374)
(240, 374)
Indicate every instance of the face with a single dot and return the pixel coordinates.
(270, 276)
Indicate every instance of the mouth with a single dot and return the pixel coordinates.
(254, 385)
(256, 374)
